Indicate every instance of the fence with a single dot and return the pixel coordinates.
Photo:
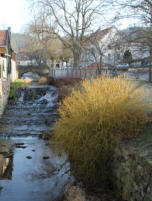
(76, 73)
(88, 73)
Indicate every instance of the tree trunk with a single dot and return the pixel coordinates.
(54, 63)
(76, 59)
(100, 65)
(150, 72)
(150, 65)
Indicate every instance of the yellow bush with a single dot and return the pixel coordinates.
(93, 121)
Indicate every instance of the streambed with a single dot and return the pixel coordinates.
(31, 169)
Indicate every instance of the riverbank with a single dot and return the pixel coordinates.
(127, 163)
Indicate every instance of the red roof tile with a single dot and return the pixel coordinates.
(3, 36)
(3, 50)
(23, 50)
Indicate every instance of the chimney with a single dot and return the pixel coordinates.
(9, 32)
(9, 29)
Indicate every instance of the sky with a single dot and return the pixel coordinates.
(14, 14)
(17, 14)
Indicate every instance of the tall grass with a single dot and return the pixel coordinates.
(94, 120)
(19, 83)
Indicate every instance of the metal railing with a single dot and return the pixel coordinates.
(76, 73)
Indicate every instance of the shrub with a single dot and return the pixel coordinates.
(19, 83)
(66, 85)
(43, 81)
(67, 81)
(92, 122)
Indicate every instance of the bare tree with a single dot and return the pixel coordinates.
(140, 10)
(73, 21)
(43, 46)
(36, 43)
(104, 42)
(96, 47)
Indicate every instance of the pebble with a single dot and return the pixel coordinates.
(1, 187)
(28, 157)
(46, 157)
(19, 146)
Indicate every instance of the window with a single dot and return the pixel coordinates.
(109, 55)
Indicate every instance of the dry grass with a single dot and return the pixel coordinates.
(28, 80)
(43, 81)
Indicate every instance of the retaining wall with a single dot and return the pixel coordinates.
(4, 92)
(132, 170)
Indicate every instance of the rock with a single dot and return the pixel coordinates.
(46, 157)
(1, 187)
(44, 101)
(33, 150)
(19, 144)
(46, 135)
(49, 121)
(8, 155)
(28, 157)
(21, 147)
(74, 193)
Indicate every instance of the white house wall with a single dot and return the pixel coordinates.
(14, 73)
(5, 80)
(4, 67)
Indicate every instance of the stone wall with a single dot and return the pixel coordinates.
(132, 171)
(4, 92)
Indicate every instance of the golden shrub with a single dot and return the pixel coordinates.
(93, 121)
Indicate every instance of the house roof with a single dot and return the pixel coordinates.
(2, 50)
(3, 37)
(23, 50)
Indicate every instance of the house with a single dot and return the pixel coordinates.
(8, 70)
(109, 46)
(100, 49)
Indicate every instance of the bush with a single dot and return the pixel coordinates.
(67, 81)
(93, 121)
(66, 85)
(15, 86)
(43, 81)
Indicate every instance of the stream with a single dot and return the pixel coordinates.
(31, 168)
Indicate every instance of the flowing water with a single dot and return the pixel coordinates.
(31, 169)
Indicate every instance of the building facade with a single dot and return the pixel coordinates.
(8, 68)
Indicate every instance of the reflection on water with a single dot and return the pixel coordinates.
(31, 169)
(35, 179)
(6, 161)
